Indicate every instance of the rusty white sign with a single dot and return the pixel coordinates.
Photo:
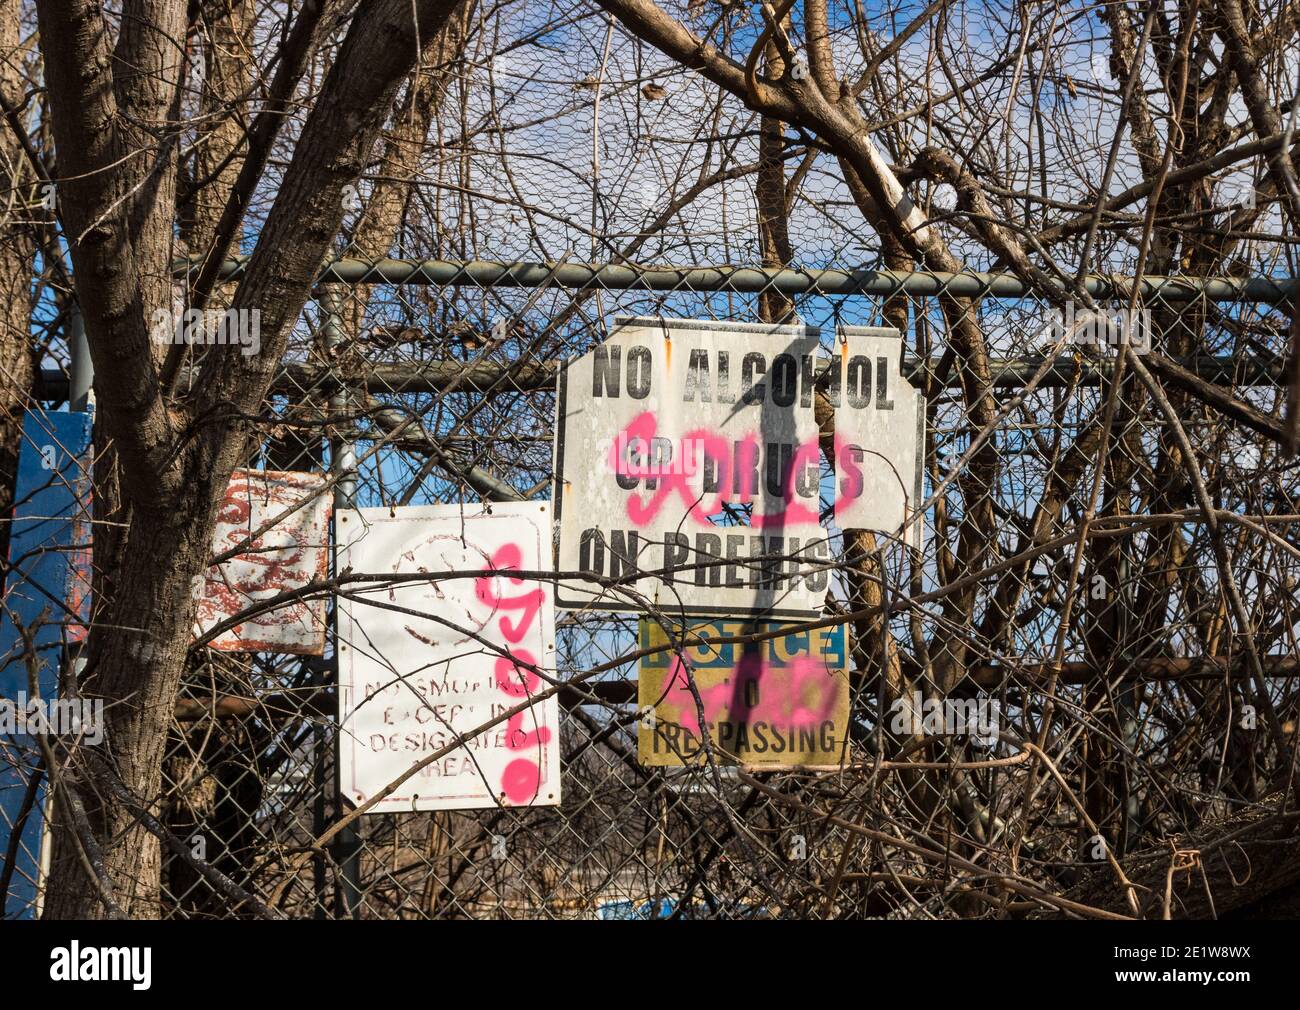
(424, 661)
(691, 468)
(290, 555)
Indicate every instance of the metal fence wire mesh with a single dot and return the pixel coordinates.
(1110, 541)
(1090, 611)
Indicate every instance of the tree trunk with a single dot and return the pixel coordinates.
(175, 459)
(137, 672)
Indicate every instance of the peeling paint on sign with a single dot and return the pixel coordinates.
(290, 555)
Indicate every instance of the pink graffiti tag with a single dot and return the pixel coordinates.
(670, 479)
(507, 557)
(799, 694)
(522, 777)
(673, 477)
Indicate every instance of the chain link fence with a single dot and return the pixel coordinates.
(1070, 581)
(1107, 572)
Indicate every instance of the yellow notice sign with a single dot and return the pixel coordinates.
(779, 703)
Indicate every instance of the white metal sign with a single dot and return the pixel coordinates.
(425, 661)
(690, 464)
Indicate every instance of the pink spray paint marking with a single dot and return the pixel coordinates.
(673, 478)
(795, 513)
(522, 777)
(800, 694)
(850, 483)
(509, 556)
(519, 682)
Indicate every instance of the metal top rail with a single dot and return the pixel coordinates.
(749, 279)
(534, 376)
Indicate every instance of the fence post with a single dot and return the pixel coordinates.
(343, 460)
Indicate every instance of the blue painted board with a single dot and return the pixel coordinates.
(45, 592)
